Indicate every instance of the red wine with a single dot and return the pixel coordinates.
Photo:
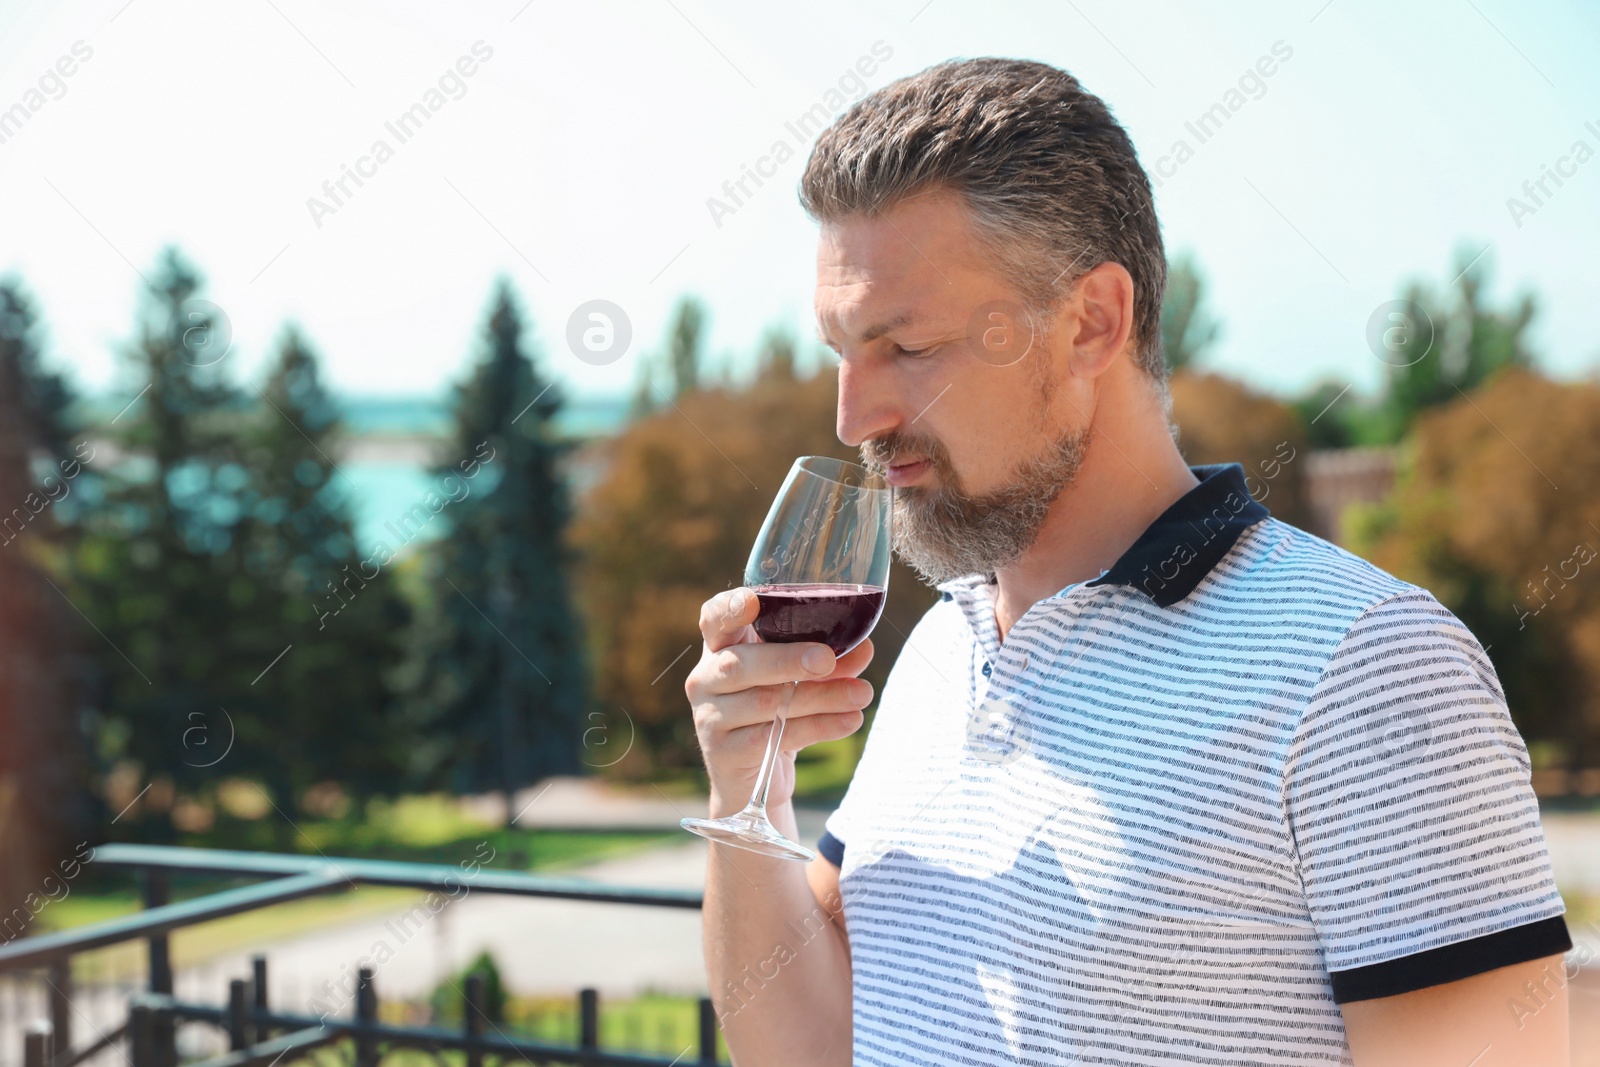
(838, 616)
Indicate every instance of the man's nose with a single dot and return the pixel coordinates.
(867, 404)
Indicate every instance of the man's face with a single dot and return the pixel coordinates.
(946, 385)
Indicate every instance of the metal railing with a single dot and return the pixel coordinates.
(259, 1035)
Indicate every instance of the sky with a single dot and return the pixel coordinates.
(580, 155)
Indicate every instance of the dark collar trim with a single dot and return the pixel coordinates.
(1181, 546)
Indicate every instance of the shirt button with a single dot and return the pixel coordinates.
(987, 669)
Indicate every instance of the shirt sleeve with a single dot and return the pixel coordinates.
(1410, 805)
(837, 829)
(840, 828)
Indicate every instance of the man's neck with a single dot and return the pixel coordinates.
(1115, 496)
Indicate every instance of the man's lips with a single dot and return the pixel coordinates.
(905, 472)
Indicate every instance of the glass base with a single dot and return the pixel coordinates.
(751, 831)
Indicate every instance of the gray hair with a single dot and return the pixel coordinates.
(1052, 179)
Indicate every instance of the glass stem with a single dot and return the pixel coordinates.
(769, 761)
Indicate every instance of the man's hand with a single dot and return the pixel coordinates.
(797, 1012)
(737, 689)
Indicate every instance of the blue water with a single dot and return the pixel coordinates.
(384, 491)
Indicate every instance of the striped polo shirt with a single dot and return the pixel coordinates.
(1186, 810)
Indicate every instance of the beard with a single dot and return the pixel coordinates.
(945, 532)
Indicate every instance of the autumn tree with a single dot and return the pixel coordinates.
(1221, 420)
(1497, 512)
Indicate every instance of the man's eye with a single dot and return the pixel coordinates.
(913, 352)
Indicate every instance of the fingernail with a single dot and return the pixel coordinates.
(736, 603)
(861, 692)
(818, 660)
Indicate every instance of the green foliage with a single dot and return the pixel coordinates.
(1464, 343)
(449, 998)
(162, 558)
(1187, 328)
(502, 683)
(653, 1023)
(328, 701)
(200, 563)
(679, 371)
(42, 398)
(1336, 416)
(683, 351)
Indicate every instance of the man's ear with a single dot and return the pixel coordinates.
(1098, 317)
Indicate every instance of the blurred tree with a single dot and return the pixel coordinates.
(1497, 512)
(670, 523)
(1187, 328)
(161, 561)
(447, 998)
(1221, 421)
(503, 692)
(1327, 427)
(776, 360)
(684, 346)
(1437, 347)
(45, 808)
(325, 711)
(667, 376)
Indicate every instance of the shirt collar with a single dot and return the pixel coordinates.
(1180, 547)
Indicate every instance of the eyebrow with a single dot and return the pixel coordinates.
(872, 333)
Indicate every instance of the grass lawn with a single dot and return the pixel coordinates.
(652, 1023)
(822, 771)
(1583, 910)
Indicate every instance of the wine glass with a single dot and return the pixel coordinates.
(820, 569)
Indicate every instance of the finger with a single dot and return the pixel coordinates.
(724, 617)
(744, 666)
(814, 729)
(764, 703)
(751, 741)
(852, 663)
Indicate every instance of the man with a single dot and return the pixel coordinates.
(1160, 779)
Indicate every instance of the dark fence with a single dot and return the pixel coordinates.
(257, 1034)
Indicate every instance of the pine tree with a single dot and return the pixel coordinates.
(504, 691)
(161, 560)
(327, 704)
(44, 800)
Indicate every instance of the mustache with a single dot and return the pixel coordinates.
(880, 453)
